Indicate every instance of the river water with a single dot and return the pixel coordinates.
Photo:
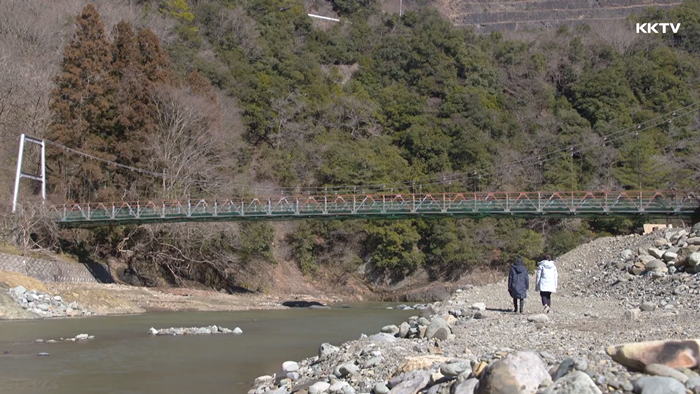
(124, 359)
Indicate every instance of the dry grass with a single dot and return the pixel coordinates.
(14, 279)
(101, 301)
(10, 249)
(14, 250)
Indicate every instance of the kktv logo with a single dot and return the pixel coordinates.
(648, 28)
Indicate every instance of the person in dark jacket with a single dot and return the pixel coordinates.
(518, 284)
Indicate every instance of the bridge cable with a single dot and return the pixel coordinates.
(89, 156)
(452, 178)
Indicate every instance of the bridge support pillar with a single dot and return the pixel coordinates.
(19, 175)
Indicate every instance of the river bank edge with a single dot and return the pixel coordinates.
(612, 330)
(96, 299)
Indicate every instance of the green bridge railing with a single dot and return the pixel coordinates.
(383, 206)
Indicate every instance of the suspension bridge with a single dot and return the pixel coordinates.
(383, 206)
(380, 204)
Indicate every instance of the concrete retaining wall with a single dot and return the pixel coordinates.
(488, 15)
(46, 271)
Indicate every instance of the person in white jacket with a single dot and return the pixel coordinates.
(546, 279)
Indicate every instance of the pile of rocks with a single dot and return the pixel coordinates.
(405, 307)
(194, 331)
(645, 273)
(77, 338)
(673, 251)
(46, 305)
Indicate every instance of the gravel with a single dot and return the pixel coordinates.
(599, 303)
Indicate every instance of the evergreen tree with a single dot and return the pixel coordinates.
(154, 59)
(82, 109)
(135, 110)
(640, 168)
(200, 85)
(134, 103)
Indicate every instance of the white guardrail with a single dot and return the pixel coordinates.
(324, 18)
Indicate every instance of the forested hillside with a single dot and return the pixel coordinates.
(231, 97)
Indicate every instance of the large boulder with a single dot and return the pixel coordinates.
(436, 324)
(694, 259)
(442, 334)
(346, 369)
(672, 353)
(684, 253)
(517, 373)
(319, 388)
(662, 370)
(392, 329)
(656, 252)
(382, 337)
(575, 382)
(404, 329)
(428, 312)
(326, 350)
(658, 385)
(693, 241)
(453, 369)
(627, 254)
(410, 383)
(636, 270)
(655, 265)
(466, 387)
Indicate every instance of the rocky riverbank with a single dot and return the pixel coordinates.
(44, 304)
(473, 343)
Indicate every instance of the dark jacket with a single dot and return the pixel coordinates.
(518, 280)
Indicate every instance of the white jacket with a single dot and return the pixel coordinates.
(547, 276)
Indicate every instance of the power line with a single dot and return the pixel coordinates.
(89, 156)
(460, 177)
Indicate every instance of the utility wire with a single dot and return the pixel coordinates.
(539, 159)
(89, 156)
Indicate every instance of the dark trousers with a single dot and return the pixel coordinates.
(546, 298)
(515, 304)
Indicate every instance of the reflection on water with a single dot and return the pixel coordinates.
(124, 359)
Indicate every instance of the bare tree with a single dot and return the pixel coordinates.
(33, 228)
(355, 116)
(287, 128)
(235, 27)
(189, 140)
(616, 34)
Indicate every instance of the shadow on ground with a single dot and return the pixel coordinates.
(499, 310)
(301, 304)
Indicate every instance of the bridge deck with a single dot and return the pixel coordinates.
(383, 206)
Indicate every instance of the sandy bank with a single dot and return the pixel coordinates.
(109, 299)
